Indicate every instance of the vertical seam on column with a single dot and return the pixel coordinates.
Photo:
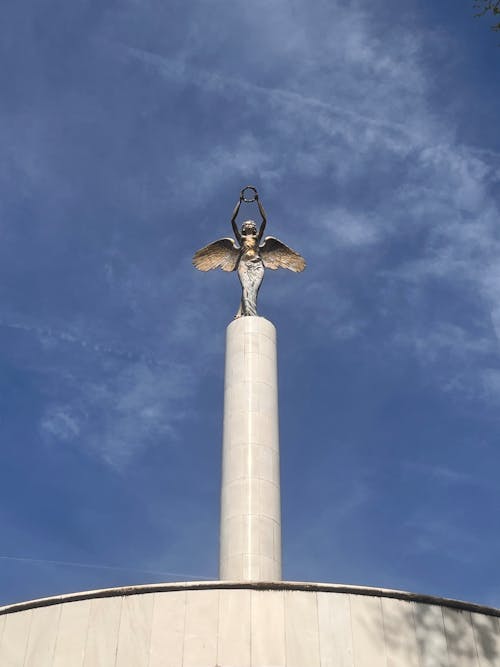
(414, 624)
(249, 548)
(445, 633)
(476, 650)
(153, 607)
(382, 618)
(2, 621)
(474, 639)
(150, 629)
(57, 633)
(28, 636)
(251, 626)
(85, 645)
(217, 632)
(224, 565)
(353, 645)
(185, 603)
(316, 606)
(284, 598)
(118, 631)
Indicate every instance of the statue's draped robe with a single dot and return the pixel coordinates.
(251, 275)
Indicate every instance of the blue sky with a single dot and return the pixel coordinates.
(127, 130)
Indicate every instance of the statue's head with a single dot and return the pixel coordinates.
(249, 228)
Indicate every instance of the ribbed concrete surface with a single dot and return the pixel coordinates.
(250, 531)
(288, 626)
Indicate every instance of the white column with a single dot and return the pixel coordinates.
(250, 535)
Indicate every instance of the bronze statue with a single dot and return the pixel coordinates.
(249, 258)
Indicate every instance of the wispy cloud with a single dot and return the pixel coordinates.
(443, 537)
(442, 473)
(97, 566)
(120, 416)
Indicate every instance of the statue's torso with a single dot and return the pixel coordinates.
(250, 248)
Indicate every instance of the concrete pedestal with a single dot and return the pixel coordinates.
(250, 535)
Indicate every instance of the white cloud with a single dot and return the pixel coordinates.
(443, 473)
(59, 423)
(345, 229)
(443, 536)
(117, 418)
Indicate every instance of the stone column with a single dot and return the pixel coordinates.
(250, 534)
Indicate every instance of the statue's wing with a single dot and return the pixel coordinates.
(277, 255)
(222, 254)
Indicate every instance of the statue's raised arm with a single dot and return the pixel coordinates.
(248, 256)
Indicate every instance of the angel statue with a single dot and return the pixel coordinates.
(248, 257)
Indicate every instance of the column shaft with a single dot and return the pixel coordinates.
(250, 536)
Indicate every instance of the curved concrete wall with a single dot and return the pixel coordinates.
(245, 625)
